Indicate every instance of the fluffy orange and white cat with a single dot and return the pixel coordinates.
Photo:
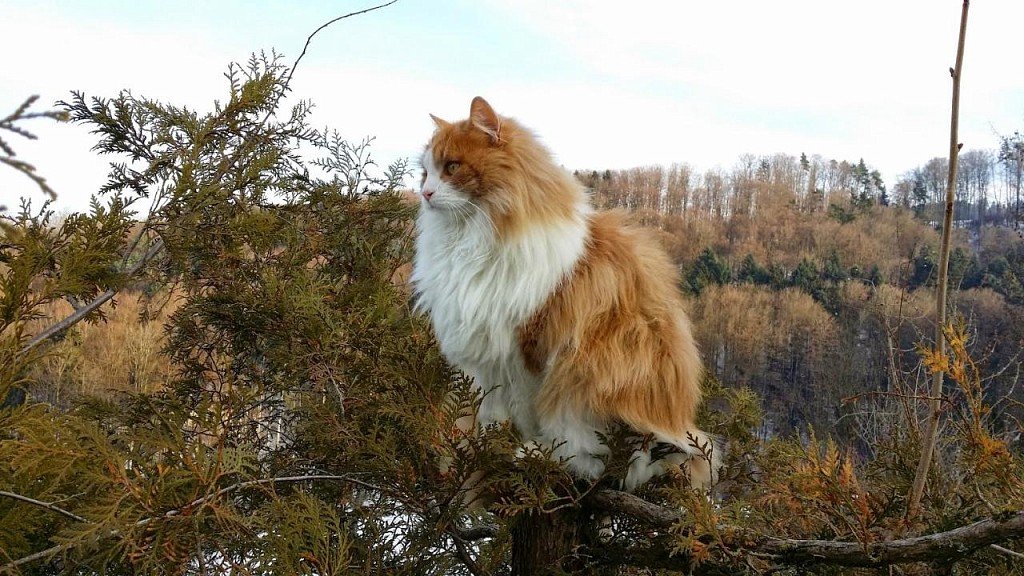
(568, 319)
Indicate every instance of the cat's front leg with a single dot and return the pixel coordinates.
(493, 405)
(492, 410)
(575, 441)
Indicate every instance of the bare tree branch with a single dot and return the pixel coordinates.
(1007, 551)
(47, 505)
(934, 406)
(635, 507)
(478, 532)
(949, 545)
(288, 80)
(84, 310)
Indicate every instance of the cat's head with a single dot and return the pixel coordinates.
(490, 164)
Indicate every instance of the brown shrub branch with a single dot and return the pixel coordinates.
(81, 312)
(949, 545)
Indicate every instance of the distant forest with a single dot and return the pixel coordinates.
(809, 281)
(812, 281)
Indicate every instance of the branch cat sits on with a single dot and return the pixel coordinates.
(568, 318)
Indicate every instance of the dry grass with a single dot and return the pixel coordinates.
(100, 358)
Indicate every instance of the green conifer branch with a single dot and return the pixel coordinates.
(53, 550)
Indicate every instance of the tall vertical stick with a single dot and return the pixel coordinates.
(934, 402)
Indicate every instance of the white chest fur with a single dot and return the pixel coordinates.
(478, 291)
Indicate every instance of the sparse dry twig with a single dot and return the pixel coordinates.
(47, 505)
(949, 545)
(934, 406)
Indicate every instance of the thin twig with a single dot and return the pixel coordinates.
(288, 80)
(291, 71)
(84, 311)
(1006, 551)
(47, 505)
(934, 406)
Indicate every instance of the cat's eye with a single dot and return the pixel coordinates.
(451, 167)
(423, 177)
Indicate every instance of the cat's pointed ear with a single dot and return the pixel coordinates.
(483, 117)
(441, 124)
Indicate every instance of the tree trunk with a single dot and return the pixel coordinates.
(546, 543)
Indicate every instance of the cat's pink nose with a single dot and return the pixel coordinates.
(427, 194)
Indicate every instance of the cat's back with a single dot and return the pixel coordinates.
(624, 289)
(631, 261)
(616, 337)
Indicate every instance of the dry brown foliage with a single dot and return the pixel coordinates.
(121, 353)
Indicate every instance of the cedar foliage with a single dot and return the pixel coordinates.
(294, 354)
(14, 124)
(306, 411)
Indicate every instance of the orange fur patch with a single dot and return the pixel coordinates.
(616, 335)
(612, 341)
(513, 179)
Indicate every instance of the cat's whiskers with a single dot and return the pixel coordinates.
(487, 219)
(460, 212)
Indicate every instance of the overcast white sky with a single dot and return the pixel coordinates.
(605, 84)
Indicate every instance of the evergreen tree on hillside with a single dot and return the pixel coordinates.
(806, 277)
(923, 273)
(707, 270)
(751, 272)
(833, 270)
(874, 276)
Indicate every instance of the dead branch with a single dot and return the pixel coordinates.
(83, 311)
(949, 545)
(934, 406)
(1007, 551)
(47, 505)
(325, 25)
